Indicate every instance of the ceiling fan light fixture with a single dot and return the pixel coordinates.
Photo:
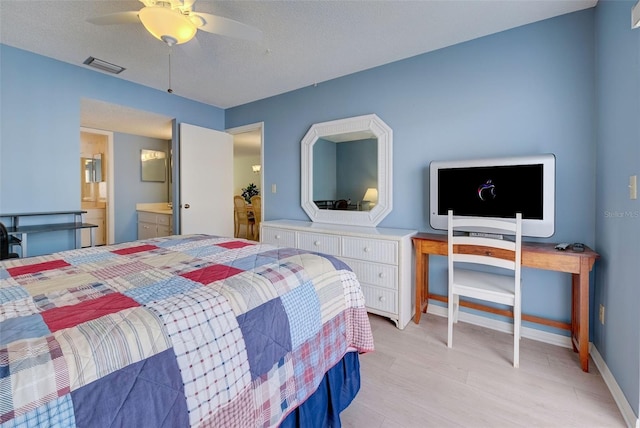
(168, 25)
(169, 40)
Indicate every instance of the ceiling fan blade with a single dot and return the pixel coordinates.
(130, 17)
(228, 27)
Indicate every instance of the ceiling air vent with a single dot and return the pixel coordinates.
(103, 65)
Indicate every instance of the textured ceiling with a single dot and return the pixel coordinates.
(305, 42)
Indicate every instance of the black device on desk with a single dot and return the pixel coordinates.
(577, 247)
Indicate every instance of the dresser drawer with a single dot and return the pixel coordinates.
(378, 298)
(279, 237)
(370, 249)
(378, 274)
(328, 244)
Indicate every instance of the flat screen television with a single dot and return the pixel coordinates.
(497, 188)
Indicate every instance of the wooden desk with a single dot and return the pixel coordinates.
(534, 255)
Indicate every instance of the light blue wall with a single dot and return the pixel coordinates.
(129, 188)
(520, 92)
(617, 216)
(39, 130)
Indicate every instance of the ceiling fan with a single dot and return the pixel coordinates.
(175, 22)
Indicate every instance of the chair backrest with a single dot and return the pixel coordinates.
(341, 204)
(502, 253)
(256, 204)
(4, 242)
(240, 207)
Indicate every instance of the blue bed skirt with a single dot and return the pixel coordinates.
(338, 388)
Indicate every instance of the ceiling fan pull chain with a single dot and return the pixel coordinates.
(170, 90)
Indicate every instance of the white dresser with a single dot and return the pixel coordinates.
(380, 257)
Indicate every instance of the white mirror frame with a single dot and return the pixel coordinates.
(352, 128)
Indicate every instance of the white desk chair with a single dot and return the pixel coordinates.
(477, 250)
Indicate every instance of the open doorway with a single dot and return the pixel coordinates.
(248, 165)
(127, 127)
(96, 155)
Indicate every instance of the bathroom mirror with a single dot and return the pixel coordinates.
(91, 168)
(346, 171)
(153, 164)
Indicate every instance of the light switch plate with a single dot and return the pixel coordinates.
(633, 187)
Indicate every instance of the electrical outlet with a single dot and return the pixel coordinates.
(273, 188)
(633, 187)
(601, 315)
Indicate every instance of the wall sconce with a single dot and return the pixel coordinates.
(371, 196)
(256, 168)
(635, 16)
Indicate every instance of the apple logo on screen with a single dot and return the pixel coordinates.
(487, 191)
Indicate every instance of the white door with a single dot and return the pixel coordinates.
(206, 181)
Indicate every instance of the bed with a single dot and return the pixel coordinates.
(179, 331)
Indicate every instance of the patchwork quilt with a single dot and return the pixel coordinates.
(190, 330)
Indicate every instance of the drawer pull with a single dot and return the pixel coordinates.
(277, 236)
(381, 275)
(316, 243)
(367, 249)
(381, 298)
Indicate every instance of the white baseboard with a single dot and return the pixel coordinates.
(627, 412)
(630, 418)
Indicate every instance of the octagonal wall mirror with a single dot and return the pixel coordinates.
(347, 171)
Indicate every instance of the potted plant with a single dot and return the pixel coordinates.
(250, 191)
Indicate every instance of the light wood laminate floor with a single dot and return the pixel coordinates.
(413, 380)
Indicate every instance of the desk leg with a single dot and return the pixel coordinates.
(23, 245)
(422, 285)
(580, 314)
(575, 304)
(419, 285)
